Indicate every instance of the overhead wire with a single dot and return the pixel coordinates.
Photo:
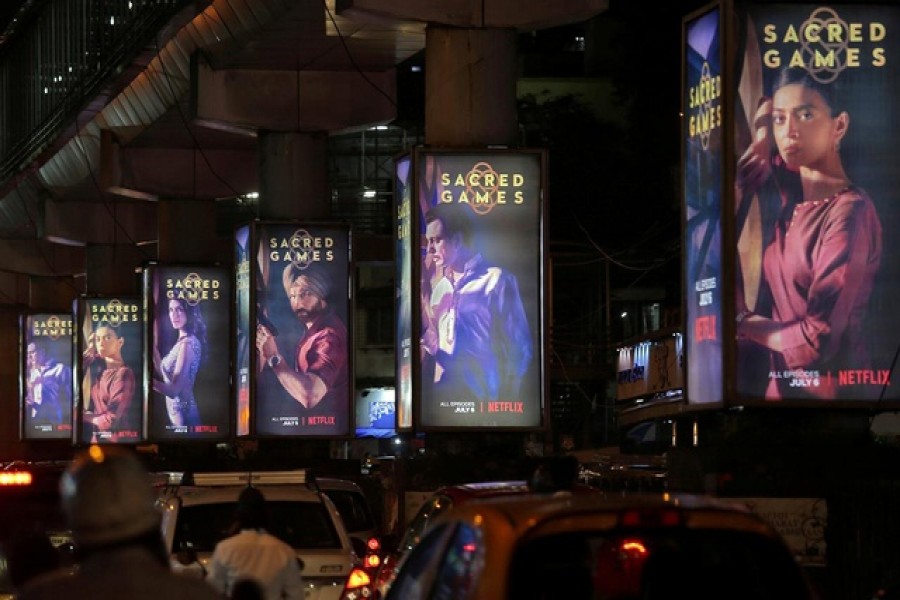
(102, 195)
(196, 143)
(352, 59)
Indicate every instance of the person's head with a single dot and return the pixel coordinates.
(107, 342)
(308, 290)
(808, 122)
(36, 353)
(108, 500)
(187, 317)
(251, 511)
(448, 233)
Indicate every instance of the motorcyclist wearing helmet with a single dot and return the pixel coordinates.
(109, 502)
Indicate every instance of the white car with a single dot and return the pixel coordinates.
(198, 511)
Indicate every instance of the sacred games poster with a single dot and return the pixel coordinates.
(817, 261)
(46, 384)
(110, 370)
(702, 135)
(188, 340)
(480, 275)
(243, 329)
(403, 303)
(303, 336)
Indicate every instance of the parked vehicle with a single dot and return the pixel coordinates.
(357, 515)
(442, 500)
(593, 546)
(198, 510)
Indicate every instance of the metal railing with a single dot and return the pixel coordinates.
(57, 63)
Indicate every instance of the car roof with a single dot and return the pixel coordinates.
(192, 495)
(464, 492)
(532, 515)
(327, 484)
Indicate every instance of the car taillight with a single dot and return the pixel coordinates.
(373, 544)
(650, 518)
(635, 548)
(16, 478)
(619, 565)
(359, 585)
(372, 561)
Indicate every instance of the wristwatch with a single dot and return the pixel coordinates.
(274, 361)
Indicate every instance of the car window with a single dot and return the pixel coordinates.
(689, 563)
(299, 524)
(417, 569)
(461, 565)
(354, 509)
(426, 514)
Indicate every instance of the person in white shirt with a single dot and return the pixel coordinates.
(255, 554)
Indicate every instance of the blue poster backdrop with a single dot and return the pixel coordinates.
(403, 303)
(702, 212)
(47, 381)
(480, 254)
(189, 348)
(303, 336)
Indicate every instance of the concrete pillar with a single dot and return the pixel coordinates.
(111, 269)
(470, 87)
(187, 232)
(293, 175)
(54, 294)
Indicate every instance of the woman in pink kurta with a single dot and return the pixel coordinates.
(108, 415)
(825, 252)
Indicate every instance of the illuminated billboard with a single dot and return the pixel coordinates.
(244, 331)
(652, 369)
(403, 303)
(303, 336)
(817, 140)
(375, 412)
(479, 277)
(46, 383)
(188, 339)
(110, 370)
(703, 186)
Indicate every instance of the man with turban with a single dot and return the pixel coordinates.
(318, 373)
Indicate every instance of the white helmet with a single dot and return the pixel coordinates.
(107, 497)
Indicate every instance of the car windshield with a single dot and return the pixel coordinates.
(302, 525)
(353, 508)
(689, 563)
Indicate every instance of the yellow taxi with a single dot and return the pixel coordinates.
(598, 547)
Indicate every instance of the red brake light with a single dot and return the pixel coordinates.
(372, 561)
(357, 579)
(15, 478)
(650, 518)
(373, 544)
(634, 547)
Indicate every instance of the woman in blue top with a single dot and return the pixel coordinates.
(177, 371)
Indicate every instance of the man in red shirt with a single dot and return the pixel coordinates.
(318, 375)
